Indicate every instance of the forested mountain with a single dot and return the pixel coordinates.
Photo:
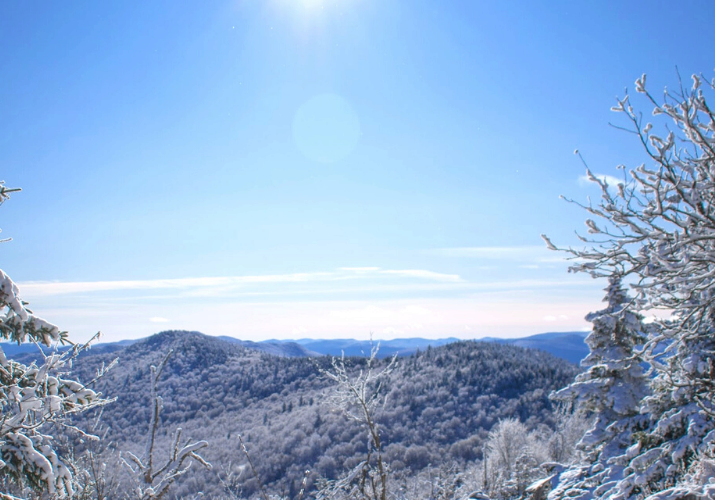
(440, 405)
(566, 345)
(352, 347)
(29, 352)
(570, 346)
(287, 348)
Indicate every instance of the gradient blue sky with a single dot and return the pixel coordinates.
(317, 168)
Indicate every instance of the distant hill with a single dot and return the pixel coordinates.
(288, 349)
(13, 349)
(565, 345)
(29, 352)
(441, 404)
(352, 347)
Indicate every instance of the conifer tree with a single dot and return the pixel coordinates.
(611, 389)
(613, 384)
(34, 396)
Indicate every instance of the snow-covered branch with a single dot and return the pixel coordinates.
(655, 232)
(359, 396)
(35, 395)
(153, 482)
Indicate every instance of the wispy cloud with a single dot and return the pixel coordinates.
(67, 287)
(499, 253)
(527, 255)
(113, 297)
(227, 283)
(608, 179)
(560, 317)
(350, 301)
(486, 315)
(428, 275)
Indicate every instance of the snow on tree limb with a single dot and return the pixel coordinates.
(656, 232)
(359, 397)
(36, 395)
(153, 482)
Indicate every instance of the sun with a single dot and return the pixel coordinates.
(313, 4)
(311, 7)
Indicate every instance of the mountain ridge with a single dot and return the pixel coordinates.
(565, 345)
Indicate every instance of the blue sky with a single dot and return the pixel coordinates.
(317, 168)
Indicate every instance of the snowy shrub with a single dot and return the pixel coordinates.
(515, 456)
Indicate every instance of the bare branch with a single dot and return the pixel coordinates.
(153, 483)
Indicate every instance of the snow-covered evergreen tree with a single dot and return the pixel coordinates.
(611, 388)
(657, 230)
(33, 396)
(613, 384)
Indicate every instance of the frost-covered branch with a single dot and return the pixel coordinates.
(358, 397)
(31, 397)
(656, 232)
(153, 482)
(35, 395)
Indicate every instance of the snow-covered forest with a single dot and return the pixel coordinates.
(183, 415)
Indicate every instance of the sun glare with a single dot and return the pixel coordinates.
(313, 7)
(312, 4)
